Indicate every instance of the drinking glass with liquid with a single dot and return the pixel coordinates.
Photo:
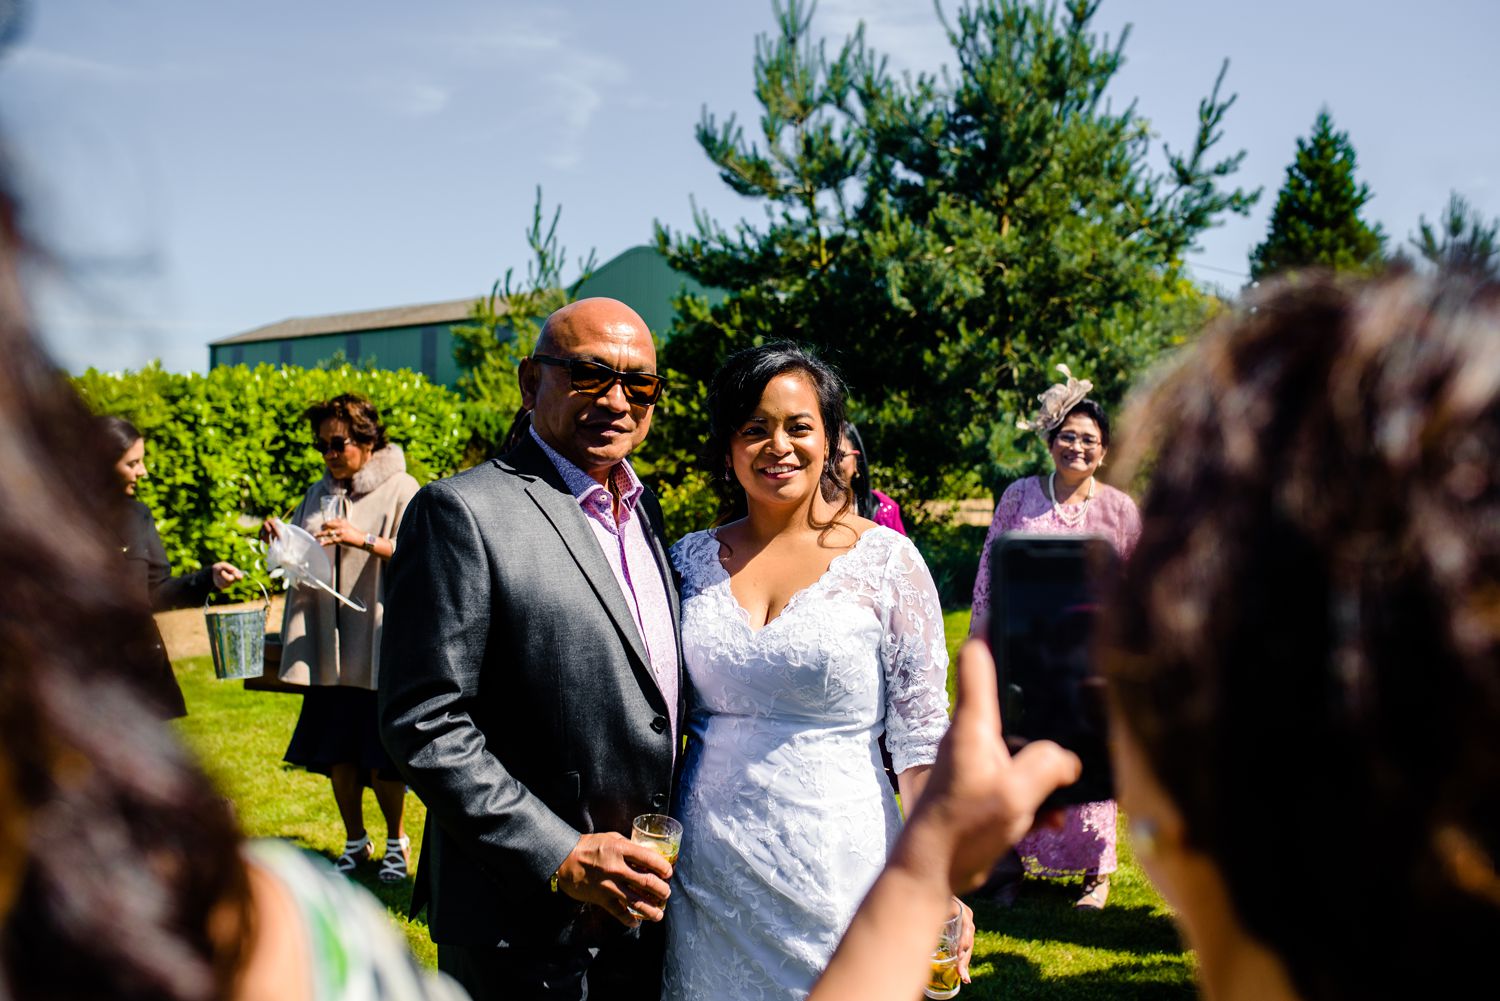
(659, 832)
(942, 981)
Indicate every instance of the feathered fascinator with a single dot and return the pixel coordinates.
(1056, 402)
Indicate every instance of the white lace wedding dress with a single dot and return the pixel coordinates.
(787, 813)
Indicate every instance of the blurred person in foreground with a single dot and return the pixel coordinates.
(122, 872)
(147, 558)
(1069, 500)
(354, 509)
(1304, 657)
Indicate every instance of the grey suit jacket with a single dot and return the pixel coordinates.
(516, 698)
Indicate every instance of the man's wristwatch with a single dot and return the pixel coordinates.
(369, 542)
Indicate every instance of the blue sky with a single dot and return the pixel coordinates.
(198, 169)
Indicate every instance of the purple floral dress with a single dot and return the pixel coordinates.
(1086, 842)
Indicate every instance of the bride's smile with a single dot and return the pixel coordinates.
(779, 451)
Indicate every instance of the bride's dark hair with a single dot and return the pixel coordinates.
(732, 396)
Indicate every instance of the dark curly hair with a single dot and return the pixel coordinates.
(732, 396)
(354, 410)
(1307, 635)
(119, 862)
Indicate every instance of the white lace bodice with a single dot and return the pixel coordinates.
(787, 814)
(860, 646)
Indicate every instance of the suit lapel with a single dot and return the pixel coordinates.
(551, 495)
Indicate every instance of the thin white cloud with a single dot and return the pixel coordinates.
(538, 50)
(64, 64)
(412, 99)
(576, 92)
(908, 31)
(519, 40)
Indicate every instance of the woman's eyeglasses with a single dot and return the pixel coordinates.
(590, 378)
(335, 444)
(1072, 440)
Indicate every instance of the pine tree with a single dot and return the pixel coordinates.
(503, 327)
(946, 240)
(1462, 239)
(1316, 221)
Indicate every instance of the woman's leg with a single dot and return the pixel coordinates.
(348, 793)
(391, 795)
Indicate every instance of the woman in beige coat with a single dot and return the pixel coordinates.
(334, 649)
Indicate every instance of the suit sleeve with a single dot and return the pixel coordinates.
(434, 646)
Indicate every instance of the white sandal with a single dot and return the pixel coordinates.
(397, 855)
(1095, 894)
(355, 852)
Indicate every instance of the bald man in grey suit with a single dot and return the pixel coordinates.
(531, 682)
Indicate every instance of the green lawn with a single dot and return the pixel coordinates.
(240, 737)
(1041, 948)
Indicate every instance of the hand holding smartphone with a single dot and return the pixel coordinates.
(1046, 592)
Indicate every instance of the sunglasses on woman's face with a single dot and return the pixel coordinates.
(335, 444)
(590, 378)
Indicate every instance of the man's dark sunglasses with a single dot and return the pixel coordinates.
(590, 378)
(335, 444)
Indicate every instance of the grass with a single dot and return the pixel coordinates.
(1040, 948)
(240, 737)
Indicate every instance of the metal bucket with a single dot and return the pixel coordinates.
(237, 638)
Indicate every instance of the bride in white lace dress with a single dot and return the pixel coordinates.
(807, 631)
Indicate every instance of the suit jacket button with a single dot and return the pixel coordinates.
(659, 724)
(659, 801)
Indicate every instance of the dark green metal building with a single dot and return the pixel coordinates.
(420, 338)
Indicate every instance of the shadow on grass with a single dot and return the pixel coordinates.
(1016, 978)
(1045, 912)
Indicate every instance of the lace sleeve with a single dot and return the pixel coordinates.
(688, 557)
(914, 653)
(1006, 514)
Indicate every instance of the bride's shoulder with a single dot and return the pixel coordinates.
(690, 548)
(876, 542)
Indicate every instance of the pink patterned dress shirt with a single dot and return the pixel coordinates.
(625, 544)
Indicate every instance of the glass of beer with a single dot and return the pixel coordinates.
(942, 981)
(661, 834)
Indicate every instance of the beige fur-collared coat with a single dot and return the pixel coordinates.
(323, 641)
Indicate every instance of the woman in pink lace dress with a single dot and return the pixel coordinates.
(1068, 500)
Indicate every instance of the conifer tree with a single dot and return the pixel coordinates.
(1461, 240)
(946, 240)
(1316, 221)
(503, 327)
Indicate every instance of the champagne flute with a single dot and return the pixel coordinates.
(331, 505)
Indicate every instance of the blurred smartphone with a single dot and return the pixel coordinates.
(1045, 592)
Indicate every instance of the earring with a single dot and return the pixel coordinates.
(727, 478)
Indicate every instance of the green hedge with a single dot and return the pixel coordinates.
(227, 449)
